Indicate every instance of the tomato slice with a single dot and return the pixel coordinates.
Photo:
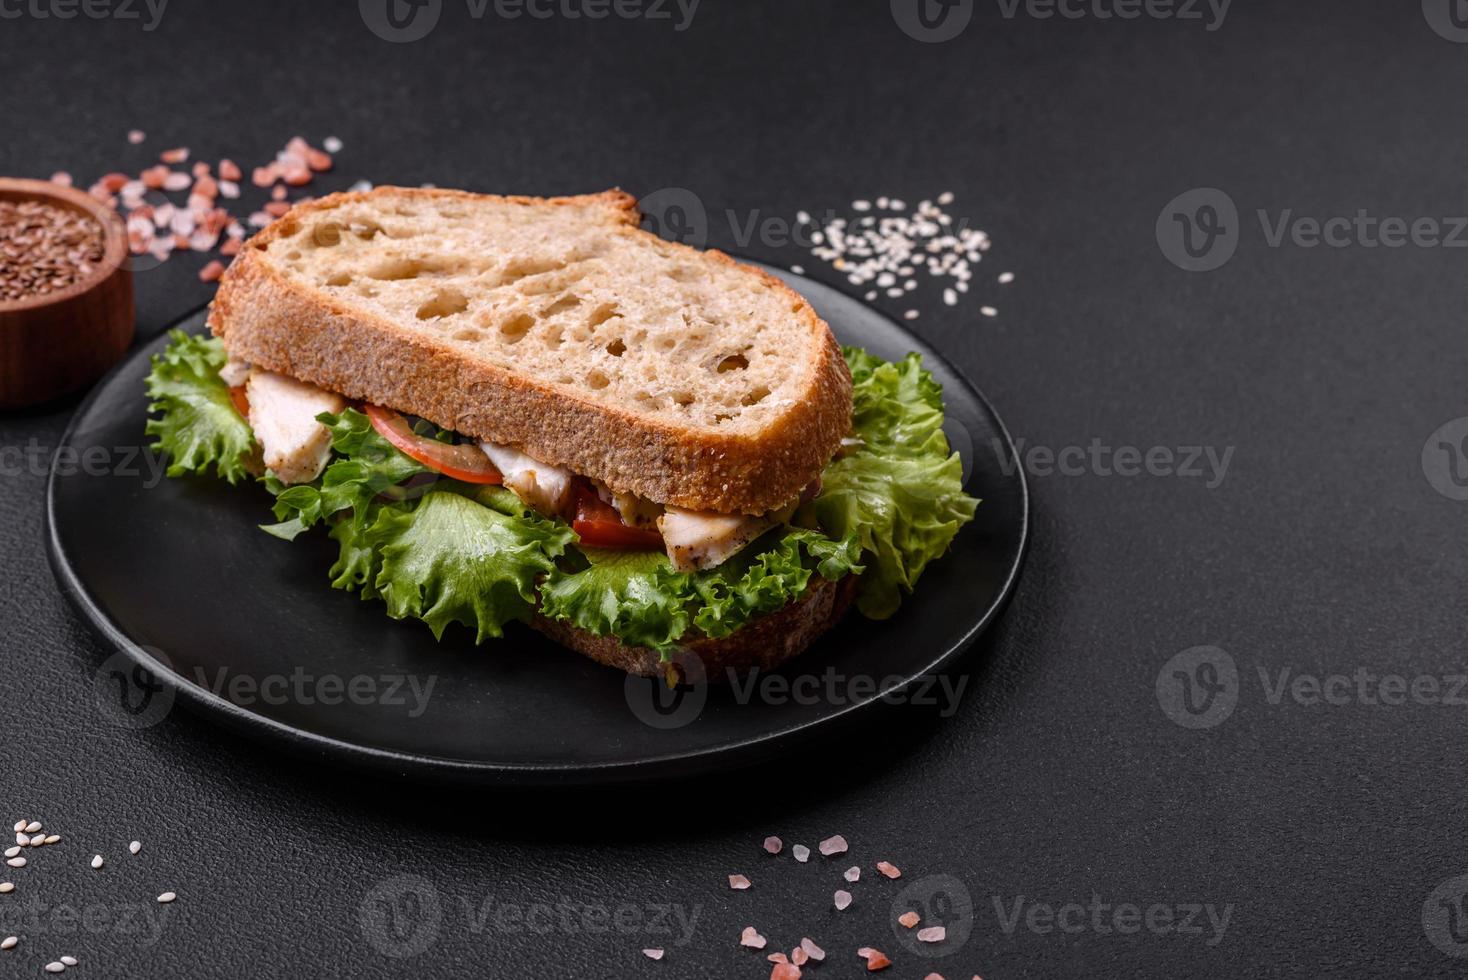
(466, 463)
(240, 400)
(598, 525)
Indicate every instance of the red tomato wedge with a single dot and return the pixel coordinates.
(598, 525)
(241, 401)
(467, 463)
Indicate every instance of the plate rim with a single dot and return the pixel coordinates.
(722, 757)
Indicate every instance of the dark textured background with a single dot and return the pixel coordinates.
(1324, 549)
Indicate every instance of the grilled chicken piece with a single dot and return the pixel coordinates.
(697, 540)
(543, 487)
(235, 372)
(283, 414)
(635, 511)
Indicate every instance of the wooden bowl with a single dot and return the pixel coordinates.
(61, 342)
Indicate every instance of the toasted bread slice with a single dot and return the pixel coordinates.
(764, 644)
(555, 326)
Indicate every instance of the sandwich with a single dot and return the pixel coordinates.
(513, 409)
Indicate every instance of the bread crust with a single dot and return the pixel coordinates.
(269, 320)
(765, 643)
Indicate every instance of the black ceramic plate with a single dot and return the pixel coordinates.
(246, 628)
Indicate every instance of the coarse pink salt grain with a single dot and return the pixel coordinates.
(211, 272)
(842, 899)
(932, 934)
(773, 845)
(833, 845)
(812, 950)
(801, 852)
(176, 155)
(738, 882)
(785, 971)
(778, 957)
(909, 919)
(61, 177)
(853, 873)
(799, 956)
(750, 937)
(890, 870)
(653, 954)
(876, 959)
(136, 136)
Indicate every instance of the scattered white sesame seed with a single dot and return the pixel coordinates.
(11, 852)
(54, 967)
(833, 845)
(853, 873)
(871, 295)
(16, 862)
(19, 826)
(69, 960)
(97, 861)
(946, 198)
(166, 897)
(988, 311)
(799, 270)
(843, 899)
(6, 887)
(950, 297)
(653, 954)
(9, 942)
(861, 205)
(134, 847)
(802, 217)
(801, 852)
(331, 144)
(23, 840)
(361, 185)
(53, 838)
(911, 315)
(1005, 278)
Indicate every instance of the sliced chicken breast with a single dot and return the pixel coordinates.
(697, 541)
(283, 414)
(543, 487)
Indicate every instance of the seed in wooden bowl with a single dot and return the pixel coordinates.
(45, 248)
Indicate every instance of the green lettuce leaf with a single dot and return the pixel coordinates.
(363, 466)
(450, 559)
(640, 599)
(900, 492)
(196, 423)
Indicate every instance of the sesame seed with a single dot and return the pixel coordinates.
(9, 942)
(950, 297)
(53, 838)
(23, 840)
(946, 198)
(136, 136)
(331, 144)
(19, 826)
(16, 862)
(134, 847)
(1005, 278)
(69, 960)
(6, 887)
(166, 897)
(97, 862)
(12, 851)
(799, 270)
(861, 205)
(653, 954)
(33, 826)
(911, 315)
(988, 311)
(55, 967)
(871, 295)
